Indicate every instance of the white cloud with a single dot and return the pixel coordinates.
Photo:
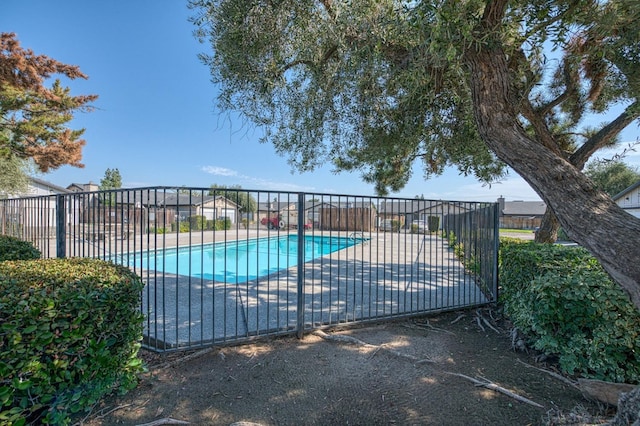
(251, 182)
(219, 171)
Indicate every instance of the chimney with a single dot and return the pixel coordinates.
(501, 204)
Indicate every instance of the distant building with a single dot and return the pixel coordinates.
(629, 199)
(83, 187)
(39, 187)
(521, 214)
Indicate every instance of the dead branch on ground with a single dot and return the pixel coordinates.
(182, 359)
(349, 339)
(490, 385)
(165, 421)
(481, 318)
(428, 326)
(457, 319)
(552, 374)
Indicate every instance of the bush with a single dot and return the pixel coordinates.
(70, 333)
(223, 224)
(197, 223)
(12, 248)
(566, 305)
(434, 223)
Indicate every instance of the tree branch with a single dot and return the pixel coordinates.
(605, 135)
(328, 6)
(540, 128)
(552, 20)
(571, 88)
(494, 11)
(327, 55)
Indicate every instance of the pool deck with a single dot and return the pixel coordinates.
(390, 274)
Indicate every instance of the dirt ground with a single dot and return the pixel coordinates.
(400, 373)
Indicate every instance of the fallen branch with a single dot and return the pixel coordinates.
(348, 339)
(428, 326)
(457, 319)
(490, 385)
(552, 374)
(479, 317)
(165, 421)
(182, 359)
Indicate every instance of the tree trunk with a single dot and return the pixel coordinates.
(548, 230)
(587, 215)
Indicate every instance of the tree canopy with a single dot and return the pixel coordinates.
(612, 177)
(33, 117)
(14, 175)
(111, 180)
(376, 85)
(234, 193)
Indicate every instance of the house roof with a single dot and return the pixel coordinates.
(524, 208)
(399, 207)
(50, 186)
(626, 191)
(161, 198)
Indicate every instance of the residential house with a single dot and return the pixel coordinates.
(521, 214)
(27, 212)
(407, 211)
(629, 199)
(275, 209)
(161, 208)
(83, 187)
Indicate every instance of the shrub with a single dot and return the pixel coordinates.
(566, 305)
(70, 333)
(223, 224)
(434, 223)
(197, 223)
(12, 248)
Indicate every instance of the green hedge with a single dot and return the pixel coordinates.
(566, 305)
(70, 331)
(14, 249)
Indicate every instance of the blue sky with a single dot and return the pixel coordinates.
(156, 118)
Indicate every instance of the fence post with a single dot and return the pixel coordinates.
(61, 232)
(301, 221)
(496, 249)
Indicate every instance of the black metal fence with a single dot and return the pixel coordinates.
(230, 265)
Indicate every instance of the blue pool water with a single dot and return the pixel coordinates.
(238, 261)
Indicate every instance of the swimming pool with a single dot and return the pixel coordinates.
(238, 261)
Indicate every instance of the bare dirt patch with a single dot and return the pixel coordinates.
(400, 376)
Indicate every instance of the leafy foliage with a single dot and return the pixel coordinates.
(14, 175)
(111, 180)
(70, 331)
(612, 177)
(34, 118)
(12, 248)
(384, 83)
(566, 305)
(234, 193)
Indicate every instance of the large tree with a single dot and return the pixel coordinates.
(375, 85)
(33, 117)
